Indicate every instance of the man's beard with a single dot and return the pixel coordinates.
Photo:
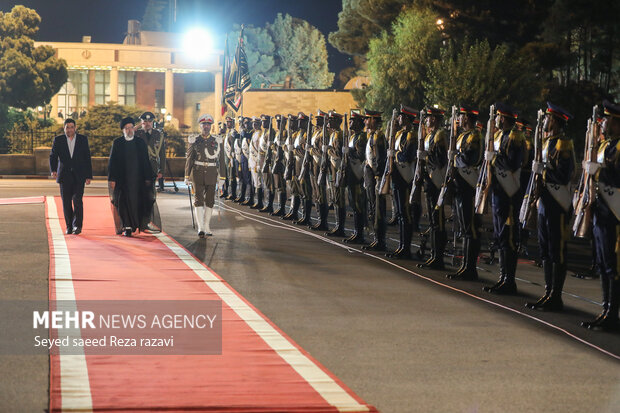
(128, 138)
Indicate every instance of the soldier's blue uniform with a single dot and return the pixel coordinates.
(555, 210)
(245, 175)
(509, 148)
(334, 154)
(355, 157)
(606, 220)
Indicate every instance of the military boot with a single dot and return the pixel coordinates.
(554, 301)
(250, 199)
(269, 206)
(281, 211)
(232, 193)
(338, 230)
(305, 220)
(606, 294)
(502, 273)
(322, 224)
(241, 198)
(470, 259)
(404, 249)
(548, 271)
(416, 213)
(379, 242)
(610, 321)
(438, 245)
(259, 199)
(293, 215)
(509, 286)
(358, 232)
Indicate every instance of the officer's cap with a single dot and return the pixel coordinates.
(611, 109)
(302, 116)
(410, 113)
(468, 110)
(147, 116)
(356, 114)
(265, 117)
(230, 119)
(334, 114)
(291, 116)
(433, 111)
(372, 114)
(506, 110)
(321, 114)
(205, 118)
(557, 111)
(255, 119)
(127, 121)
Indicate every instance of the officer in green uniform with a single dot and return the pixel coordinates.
(301, 184)
(156, 145)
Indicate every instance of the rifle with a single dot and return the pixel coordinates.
(323, 166)
(341, 176)
(484, 180)
(416, 185)
(535, 183)
(290, 164)
(267, 160)
(450, 170)
(587, 194)
(386, 179)
(307, 156)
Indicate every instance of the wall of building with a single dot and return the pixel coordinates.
(274, 101)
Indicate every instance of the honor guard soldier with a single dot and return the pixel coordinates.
(606, 217)
(467, 159)
(156, 145)
(355, 156)
(202, 169)
(506, 158)
(435, 152)
(376, 155)
(402, 175)
(232, 165)
(319, 189)
(300, 185)
(334, 151)
(554, 205)
(255, 163)
(265, 159)
(526, 170)
(245, 143)
(278, 163)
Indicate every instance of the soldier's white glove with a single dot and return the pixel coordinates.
(452, 154)
(591, 167)
(538, 167)
(390, 153)
(345, 150)
(422, 154)
(324, 148)
(489, 156)
(186, 181)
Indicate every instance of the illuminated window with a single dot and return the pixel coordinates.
(102, 86)
(127, 88)
(73, 96)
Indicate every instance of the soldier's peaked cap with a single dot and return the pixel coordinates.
(406, 110)
(506, 110)
(356, 114)
(372, 114)
(334, 114)
(255, 119)
(291, 116)
(468, 110)
(321, 114)
(147, 116)
(433, 111)
(301, 116)
(205, 118)
(265, 117)
(279, 117)
(559, 112)
(230, 118)
(611, 109)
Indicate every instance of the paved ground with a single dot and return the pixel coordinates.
(403, 339)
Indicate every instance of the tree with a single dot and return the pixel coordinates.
(260, 49)
(155, 15)
(29, 76)
(398, 61)
(479, 75)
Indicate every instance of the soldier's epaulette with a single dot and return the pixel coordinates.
(441, 135)
(475, 134)
(564, 145)
(411, 136)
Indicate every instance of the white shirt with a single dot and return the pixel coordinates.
(71, 143)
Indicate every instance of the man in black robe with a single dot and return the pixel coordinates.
(130, 176)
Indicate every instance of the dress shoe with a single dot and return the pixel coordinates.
(201, 234)
(374, 246)
(77, 230)
(69, 231)
(127, 233)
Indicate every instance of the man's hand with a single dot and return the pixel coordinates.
(160, 175)
(186, 181)
(87, 181)
(538, 167)
(112, 184)
(54, 174)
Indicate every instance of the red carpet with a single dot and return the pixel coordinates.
(260, 368)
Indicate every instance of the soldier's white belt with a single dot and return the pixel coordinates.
(205, 163)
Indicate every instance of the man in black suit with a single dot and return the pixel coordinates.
(70, 164)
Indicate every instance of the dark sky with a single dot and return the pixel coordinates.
(106, 20)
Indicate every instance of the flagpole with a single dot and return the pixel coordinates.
(224, 80)
(240, 43)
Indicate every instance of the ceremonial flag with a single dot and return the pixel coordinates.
(239, 78)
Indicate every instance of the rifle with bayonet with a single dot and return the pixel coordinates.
(586, 196)
(290, 163)
(269, 154)
(448, 180)
(418, 177)
(323, 165)
(386, 179)
(484, 180)
(535, 183)
(306, 161)
(341, 175)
